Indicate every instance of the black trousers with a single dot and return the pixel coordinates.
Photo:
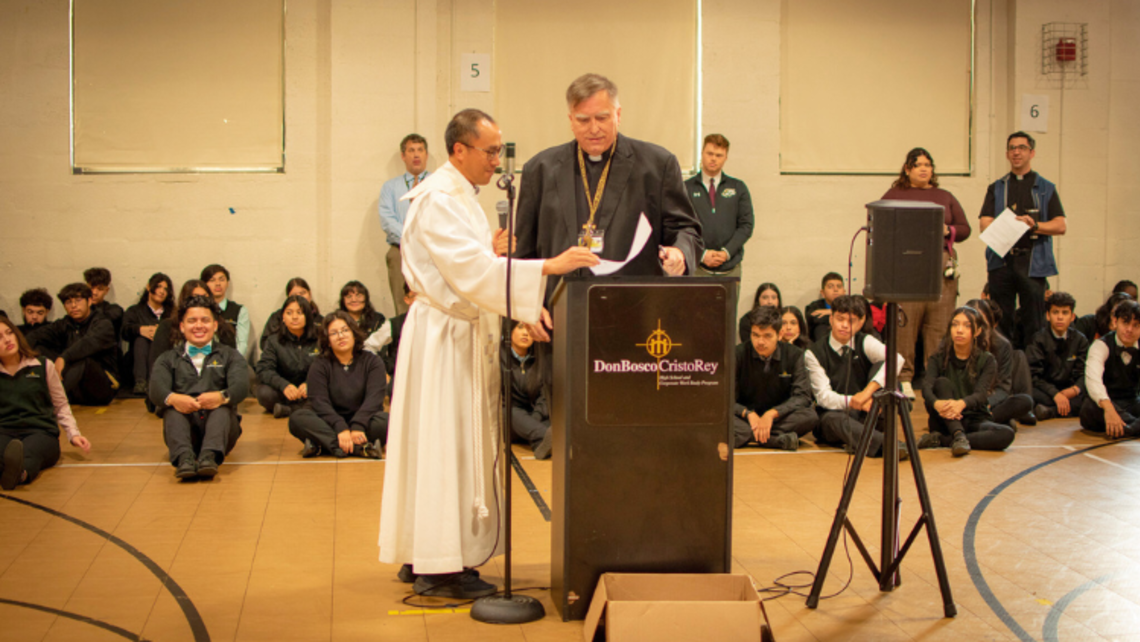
(268, 396)
(1092, 415)
(140, 359)
(1005, 407)
(528, 426)
(87, 383)
(1045, 400)
(41, 448)
(983, 434)
(1010, 286)
(214, 430)
(846, 427)
(801, 422)
(306, 424)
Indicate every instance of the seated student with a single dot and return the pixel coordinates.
(164, 335)
(196, 387)
(773, 393)
(1056, 357)
(295, 286)
(766, 294)
(33, 407)
(1098, 324)
(83, 345)
(357, 302)
(818, 312)
(284, 364)
(530, 415)
(842, 369)
(35, 305)
(386, 341)
(217, 279)
(99, 280)
(141, 322)
(956, 388)
(345, 415)
(793, 330)
(1112, 377)
(1127, 287)
(1007, 402)
(866, 322)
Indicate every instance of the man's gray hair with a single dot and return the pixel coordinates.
(588, 85)
(464, 127)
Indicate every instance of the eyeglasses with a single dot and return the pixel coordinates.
(341, 333)
(492, 154)
(1019, 148)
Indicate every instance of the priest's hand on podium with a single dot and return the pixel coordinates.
(672, 260)
(570, 260)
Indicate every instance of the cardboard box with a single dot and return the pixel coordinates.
(665, 606)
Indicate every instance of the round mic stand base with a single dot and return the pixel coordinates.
(507, 609)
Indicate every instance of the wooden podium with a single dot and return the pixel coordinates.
(643, 383)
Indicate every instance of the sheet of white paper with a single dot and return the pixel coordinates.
(639, 239)
(1004, 232)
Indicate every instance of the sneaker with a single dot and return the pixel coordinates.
(280, 410)
(186, 468)
(930, 440)
(545, 447)
(310, 449)
(908, 390)
(207, 465)
(140, 388)
(960, 445)
(13, 465)
(406, 574)
(373, 450)
(1044, 413)
(785, 441)
(462, 586)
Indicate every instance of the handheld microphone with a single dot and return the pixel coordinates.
(504, 210)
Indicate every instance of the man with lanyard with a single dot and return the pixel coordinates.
(393, 211)
(1020, 276)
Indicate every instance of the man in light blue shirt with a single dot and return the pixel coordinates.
(413, 151)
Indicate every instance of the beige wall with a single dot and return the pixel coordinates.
(361, 74)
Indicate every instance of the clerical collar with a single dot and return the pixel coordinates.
(599, 158)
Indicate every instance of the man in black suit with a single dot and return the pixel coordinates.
(592, 191)
(725, 209)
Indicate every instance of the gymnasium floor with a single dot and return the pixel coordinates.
(111, 546)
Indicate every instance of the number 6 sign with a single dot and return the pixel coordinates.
(475, 72)
(1034, 113)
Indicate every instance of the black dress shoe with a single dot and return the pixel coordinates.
(462, 586)
(310, 449)
(187, 468)
(1028, 419)
(406, 574)
(1044, 413)
(207, 465)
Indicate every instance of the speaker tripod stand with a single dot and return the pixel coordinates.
(888, 405)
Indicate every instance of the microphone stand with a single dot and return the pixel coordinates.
(506, 608)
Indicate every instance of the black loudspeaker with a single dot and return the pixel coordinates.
(904, 251)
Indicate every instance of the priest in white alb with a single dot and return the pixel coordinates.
(440, 516)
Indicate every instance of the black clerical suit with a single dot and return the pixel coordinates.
(779, 382)
(1057, 364)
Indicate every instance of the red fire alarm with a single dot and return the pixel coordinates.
(1066, 50)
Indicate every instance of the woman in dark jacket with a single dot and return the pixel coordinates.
(357, 302)
(295, 286)
(530, 416)
(140, 323)
(285, 359)
(345, 415)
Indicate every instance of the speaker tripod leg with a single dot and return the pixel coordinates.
(837, 524)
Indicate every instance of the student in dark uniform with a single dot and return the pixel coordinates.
(818, 312)
(1098, 324)
(284, 364)
(35, 305)
(83, 345)
(1009, 400)
(793, 329)
(295, 286)
(217, 279)
(956, 388)
(1112, 377)
(1056, 357)
(140, 324)
(99, 280)
(346, 385)
(196, 387)
(166, 333)
(357, 302)
(766, 294)
(845, 372)
(530, 414)
(773, 394)
(33, 409)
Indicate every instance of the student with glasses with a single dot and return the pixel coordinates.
(1018, 278)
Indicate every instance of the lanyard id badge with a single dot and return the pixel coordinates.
(593, 238)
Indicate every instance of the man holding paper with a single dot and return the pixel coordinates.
(1018, 277)
(592, 191)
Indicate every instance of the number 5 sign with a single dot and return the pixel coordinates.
(475, 72)
(1034, 113)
